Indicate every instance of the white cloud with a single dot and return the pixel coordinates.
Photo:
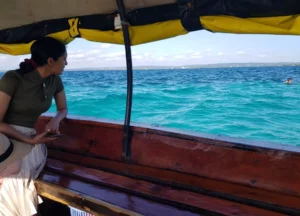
(179, 56)
(95, 51)
(21, 58)
(219, 54)
(106, 45)
(137, 57)
(262, 56)
(76, 56)
(113, 55)
(186, 55)
(8, 62)
(209, 49)
(195, 53)
(196, 56)
(71, 52)
(3, 57)
(91, 58)
(161, 59)
(240, 52)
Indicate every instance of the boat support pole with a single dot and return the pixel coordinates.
(127, 129)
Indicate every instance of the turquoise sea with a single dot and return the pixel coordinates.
(252, 103)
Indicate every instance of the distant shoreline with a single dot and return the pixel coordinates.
(220, 65)
(225, 65)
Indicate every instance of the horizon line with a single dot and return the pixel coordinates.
(216, 65)
(194, 65)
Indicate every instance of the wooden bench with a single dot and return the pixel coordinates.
(106, 193)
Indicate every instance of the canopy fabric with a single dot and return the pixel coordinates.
(23, 21)
(16, 13)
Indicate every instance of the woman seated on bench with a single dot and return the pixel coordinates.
(25, 94)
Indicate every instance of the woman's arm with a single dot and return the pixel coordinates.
(62, 111)
(6, 128)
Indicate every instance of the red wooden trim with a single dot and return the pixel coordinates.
(88, 139)
(262, 168)
(180, 179)
(229, 142)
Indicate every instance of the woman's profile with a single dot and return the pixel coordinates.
(25, 94)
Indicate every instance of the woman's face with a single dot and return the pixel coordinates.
(57, 67)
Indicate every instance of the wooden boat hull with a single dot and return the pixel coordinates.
(197, 174)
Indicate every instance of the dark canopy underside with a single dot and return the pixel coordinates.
(23, 21)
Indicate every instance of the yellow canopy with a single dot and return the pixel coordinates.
(23, 21)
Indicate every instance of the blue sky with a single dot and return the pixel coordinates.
(200, 47)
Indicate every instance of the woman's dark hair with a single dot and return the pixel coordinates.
(41, 50)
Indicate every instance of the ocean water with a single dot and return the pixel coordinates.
(252, 103)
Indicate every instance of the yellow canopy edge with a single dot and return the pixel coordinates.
(282, 25)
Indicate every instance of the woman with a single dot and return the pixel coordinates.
(25, 94)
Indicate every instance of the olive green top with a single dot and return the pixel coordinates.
(29, 96)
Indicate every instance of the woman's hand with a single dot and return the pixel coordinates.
(52, 126)
(40, 138)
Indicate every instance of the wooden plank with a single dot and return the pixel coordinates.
(229, 142)
(78, 200)
(224, 141)
(98, 199)
(88, 139)
(193, 183)
(159, 192)
(274, 172)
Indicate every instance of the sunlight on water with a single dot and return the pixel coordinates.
(250, 103)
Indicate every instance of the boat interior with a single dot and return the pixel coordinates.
(167, 173)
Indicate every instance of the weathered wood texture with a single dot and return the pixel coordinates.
(236, 172)
(215, 188)
(97, 199)
(132, 187)
(88, 138)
